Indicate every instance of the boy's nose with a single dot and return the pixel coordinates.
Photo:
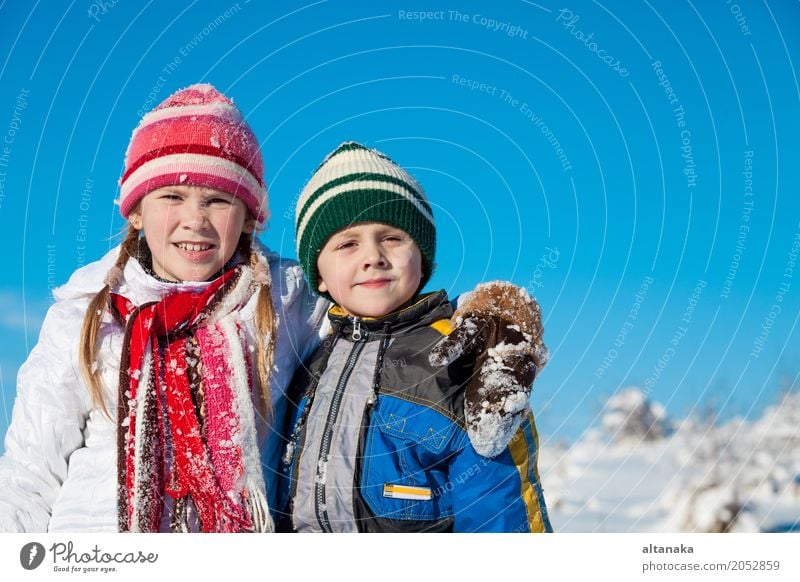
(373, 256)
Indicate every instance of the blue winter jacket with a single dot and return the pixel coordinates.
(378, 438)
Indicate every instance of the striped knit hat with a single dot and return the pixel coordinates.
(358, 184)
(196, 137)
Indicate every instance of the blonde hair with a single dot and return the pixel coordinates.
(265, 324)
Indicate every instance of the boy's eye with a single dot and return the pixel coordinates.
(219, 201)
(346, 245)
(394, 239)
(171, 196)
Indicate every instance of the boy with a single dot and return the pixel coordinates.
(380, 439)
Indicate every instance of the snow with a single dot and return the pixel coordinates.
(505, 402)
(503, 350)
(448, 351)
(542, 354)
(516, 402)
(701, 476)
(511, 303)
(490, 431)
(289, 453)
(629, 414)
(322, 471)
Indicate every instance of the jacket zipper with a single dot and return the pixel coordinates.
(299, 432)
(361, 515)
(320, 508)
(356, 329)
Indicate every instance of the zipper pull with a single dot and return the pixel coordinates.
(356, 329)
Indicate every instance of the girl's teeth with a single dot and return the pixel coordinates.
(194, 248)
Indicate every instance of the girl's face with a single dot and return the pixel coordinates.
(192, 231)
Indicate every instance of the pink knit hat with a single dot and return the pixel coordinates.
(196, 137)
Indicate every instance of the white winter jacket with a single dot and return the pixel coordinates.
(59, 471)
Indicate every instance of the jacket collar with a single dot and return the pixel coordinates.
(427, 309)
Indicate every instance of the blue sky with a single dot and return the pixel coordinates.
(633, 164)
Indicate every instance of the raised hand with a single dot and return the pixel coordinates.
(499, 328)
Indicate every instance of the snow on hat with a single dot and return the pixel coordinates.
(196, 137)
(358, 184)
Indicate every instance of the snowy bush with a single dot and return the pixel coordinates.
(629, 416)
(705, 475)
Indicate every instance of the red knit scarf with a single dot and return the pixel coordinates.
(185, 411)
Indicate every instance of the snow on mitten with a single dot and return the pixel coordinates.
(499, 326)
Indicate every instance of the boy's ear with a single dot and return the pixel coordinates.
(323, 288)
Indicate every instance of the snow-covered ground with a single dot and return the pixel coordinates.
(641, 472)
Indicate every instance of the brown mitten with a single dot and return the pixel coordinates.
(500, 326)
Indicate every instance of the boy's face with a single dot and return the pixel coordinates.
(370, 269)
(191, 231)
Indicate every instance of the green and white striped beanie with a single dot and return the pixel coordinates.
(357, 184)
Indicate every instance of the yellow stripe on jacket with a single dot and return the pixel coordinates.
(519, 449)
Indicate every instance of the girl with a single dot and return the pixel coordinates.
(155, 397)
(151, 421)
